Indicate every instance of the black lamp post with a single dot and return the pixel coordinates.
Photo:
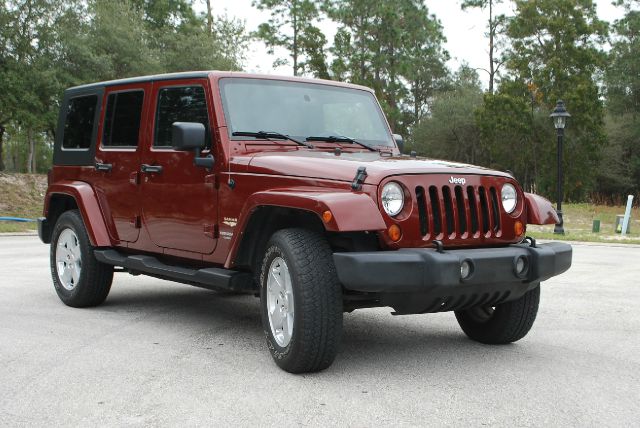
(560, 115)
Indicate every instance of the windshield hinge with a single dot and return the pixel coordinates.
(359, 178)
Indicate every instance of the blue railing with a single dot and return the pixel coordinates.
(18, 219)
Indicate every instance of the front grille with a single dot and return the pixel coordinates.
(458, 211)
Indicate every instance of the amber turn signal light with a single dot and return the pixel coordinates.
(327, 216)
(518, 228)
(395, 233)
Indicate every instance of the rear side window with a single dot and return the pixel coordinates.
(78, 126)
(180, 104)
(122, 119)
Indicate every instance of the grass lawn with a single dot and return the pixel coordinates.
(578, 220)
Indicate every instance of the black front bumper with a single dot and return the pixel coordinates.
(433, 279)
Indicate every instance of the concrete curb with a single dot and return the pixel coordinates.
(7, 234)
(592, 244)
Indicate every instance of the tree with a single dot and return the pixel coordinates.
(162, 15)
(555, 53)
(351, 49)
(29, 35)
(209, 17)
(7, 96)
(495, 26)
(513, 128)
(423, 61)
(619, 172)
(623, 72)
(450, 131)
(292, 27)
(48, 45)
(181, 40)
(395, 47)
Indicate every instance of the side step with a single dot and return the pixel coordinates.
(211, 278)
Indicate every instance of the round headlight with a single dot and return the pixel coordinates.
(392, 198)
(509, 198)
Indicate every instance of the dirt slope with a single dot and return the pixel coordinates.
(21, 195)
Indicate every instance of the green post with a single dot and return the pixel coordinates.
(596, 226)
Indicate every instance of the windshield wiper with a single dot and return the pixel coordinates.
(341, 139)
(268, 135)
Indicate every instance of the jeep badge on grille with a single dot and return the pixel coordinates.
(455, 180)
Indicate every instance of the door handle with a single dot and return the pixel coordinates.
(151, 168)
(104, 167)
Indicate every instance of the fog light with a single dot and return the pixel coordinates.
(521, 266)
(465, 269)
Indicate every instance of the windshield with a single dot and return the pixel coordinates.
(303, 110)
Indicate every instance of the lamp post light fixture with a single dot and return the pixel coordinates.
(559, 116)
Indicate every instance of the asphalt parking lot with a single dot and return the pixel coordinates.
(158, 353)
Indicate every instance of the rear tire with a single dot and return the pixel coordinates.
(506, 323)
(301, 301)
(79, 279)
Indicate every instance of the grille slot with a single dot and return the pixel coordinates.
(422, 210)
(462, 212)
(435, 210)
(473, 209)
(495, 209)
(484, 207)
(448, 210)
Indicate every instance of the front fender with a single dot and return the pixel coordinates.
(351, 212)
(540, 210)
(87, 203)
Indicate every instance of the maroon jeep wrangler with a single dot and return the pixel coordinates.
(294, 190)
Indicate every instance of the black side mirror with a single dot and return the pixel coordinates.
(191, 136)
(399, 142)
(187, 135)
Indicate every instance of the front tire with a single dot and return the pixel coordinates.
(301, 301)
(504, 323)
(79, 279)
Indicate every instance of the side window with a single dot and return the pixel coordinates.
(122, 119)
(180, 104)
(78, 125)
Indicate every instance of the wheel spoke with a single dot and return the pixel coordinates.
(66, 275)
(286, 280)
(276, 318)
(61, 251)
(286, 330)
(68, 257)
(75, 250)
(60, 256)
(279, 296)
(75, 273)
(277, 280)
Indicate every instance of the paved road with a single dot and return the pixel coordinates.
(158, 353)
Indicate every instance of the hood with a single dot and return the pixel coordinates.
(343, 167)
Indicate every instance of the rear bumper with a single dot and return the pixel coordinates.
(430, 277)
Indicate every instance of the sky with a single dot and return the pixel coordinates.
(464, 31)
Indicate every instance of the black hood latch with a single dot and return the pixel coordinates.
(359, 178)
